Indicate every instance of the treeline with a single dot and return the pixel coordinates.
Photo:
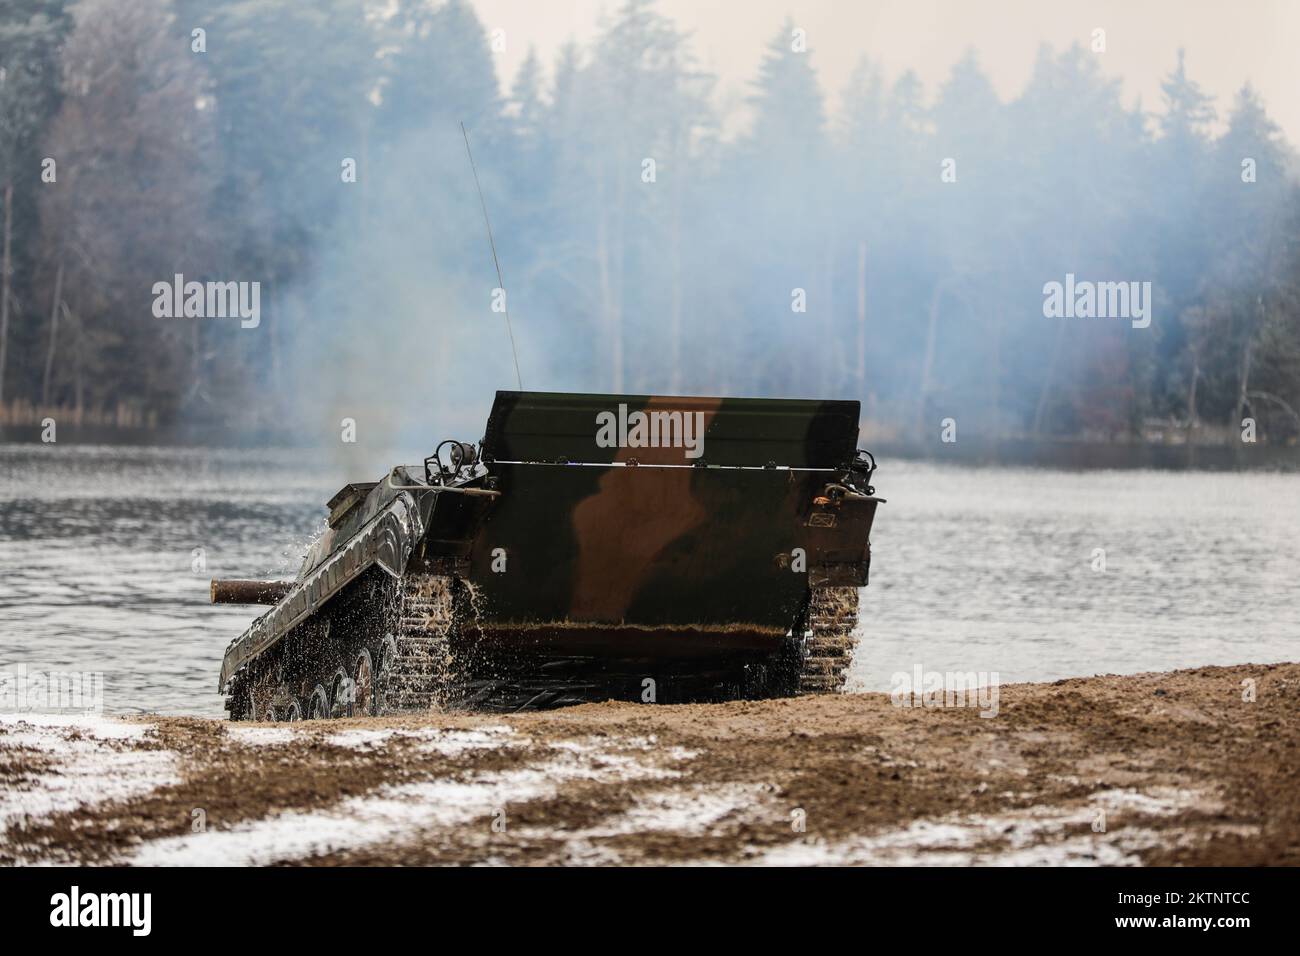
(896, 251)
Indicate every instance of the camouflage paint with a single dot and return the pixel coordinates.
(644, 552)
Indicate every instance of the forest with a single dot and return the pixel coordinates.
(896, 250)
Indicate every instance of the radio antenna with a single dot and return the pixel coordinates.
(501, 283)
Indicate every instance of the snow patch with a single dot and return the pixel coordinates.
(87, 725)
(451, 743)
(1036, 836)
(392, 814)
(261, 736)
(695, 811)
(91, 763)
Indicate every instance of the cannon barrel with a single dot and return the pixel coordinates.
(249, 592)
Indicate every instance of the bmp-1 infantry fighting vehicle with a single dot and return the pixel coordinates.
(590, 547)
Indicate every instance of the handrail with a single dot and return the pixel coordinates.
(441, 488)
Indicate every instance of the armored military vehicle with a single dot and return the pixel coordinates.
(646, 548)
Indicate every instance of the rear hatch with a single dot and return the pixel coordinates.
(670, 524)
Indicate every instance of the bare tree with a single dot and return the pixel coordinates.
(132, 139)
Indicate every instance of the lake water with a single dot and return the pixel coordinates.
(974, 569)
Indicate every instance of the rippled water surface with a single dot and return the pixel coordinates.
(974, 569)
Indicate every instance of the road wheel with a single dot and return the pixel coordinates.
(318, 707)
(287, 712)
(363, 683)
(385, 691)
(342, 693)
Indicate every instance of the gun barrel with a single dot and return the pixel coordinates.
(249, 592)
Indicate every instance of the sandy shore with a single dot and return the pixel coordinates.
(1170, 768)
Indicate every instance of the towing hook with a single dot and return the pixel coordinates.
(832, 494)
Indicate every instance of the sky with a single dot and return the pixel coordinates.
(1228, 41)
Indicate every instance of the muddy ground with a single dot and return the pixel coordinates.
(1177, 768)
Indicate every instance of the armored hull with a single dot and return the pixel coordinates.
(591, 546)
